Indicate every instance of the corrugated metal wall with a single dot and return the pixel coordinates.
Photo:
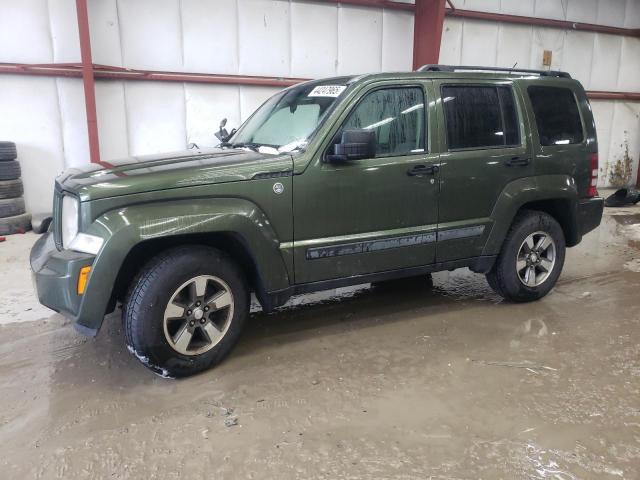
(266, 37)
(599, 61)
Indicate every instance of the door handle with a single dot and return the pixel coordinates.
(420, 170)
(517, 162)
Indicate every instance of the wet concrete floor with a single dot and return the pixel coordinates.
(405, 381)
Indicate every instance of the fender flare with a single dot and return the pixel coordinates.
(525, 190)
(124, 228)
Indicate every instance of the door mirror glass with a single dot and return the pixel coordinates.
(355, 144)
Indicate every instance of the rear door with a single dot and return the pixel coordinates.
(484, 148)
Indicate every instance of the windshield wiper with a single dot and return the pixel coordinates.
(252, 146)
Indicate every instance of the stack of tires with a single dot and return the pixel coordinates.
(13, 218)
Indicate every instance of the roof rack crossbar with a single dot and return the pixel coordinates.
(453, 68)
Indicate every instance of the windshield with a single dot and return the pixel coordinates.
(287, 120)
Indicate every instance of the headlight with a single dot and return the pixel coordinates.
(69, 221)
(71, 239)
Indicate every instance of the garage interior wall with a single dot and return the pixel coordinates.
(46, 116)
(282, 38)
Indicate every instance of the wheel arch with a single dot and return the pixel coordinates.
(555, 195)
(133, 235)
(231, 243)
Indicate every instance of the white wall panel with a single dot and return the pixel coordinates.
(554, 9)
(104, 29)
(151, 34)
(629, 74)
(314, 44)
(112, 120)
(206, 106)
(64, 31)
(451, 46)
(632, 14)
(547, 39)
(606, 62)
(31, 118)
(611, 12)
(625, 130)
(210, 36)
(514, 46)
(264, 35)
(359, 40)
(73, 118)
(585, 11)
(578, 56)
(397, 40)
(155, 117)
(479, 43)
(25, 23)
(480, 5)
(603, 116)
(524, 8)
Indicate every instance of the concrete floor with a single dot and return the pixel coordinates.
(402, 381)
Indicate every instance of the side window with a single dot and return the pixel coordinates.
(480, 117)
(397, 116)
(557, 115)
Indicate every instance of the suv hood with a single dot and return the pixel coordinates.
(170, 170)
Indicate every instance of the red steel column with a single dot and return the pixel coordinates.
(88, 80)
(427, 31)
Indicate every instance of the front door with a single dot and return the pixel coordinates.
(375, 214)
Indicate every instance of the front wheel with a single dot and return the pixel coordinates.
(186, 310)
(531, 258)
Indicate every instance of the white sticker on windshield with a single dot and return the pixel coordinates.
(327, 91)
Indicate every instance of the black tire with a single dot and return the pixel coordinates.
(504, 277)
(16, 224)
(11, 207)
(8, 151)
(9, 170)
(151, 292)
(11, 188)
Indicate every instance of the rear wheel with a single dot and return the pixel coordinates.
(531, 258)
(186, 310)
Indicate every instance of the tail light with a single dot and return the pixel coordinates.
(592, 191)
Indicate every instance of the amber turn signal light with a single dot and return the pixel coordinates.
(82, 279)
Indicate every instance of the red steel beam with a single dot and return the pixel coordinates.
(373, 3)
(119, 73)
(88, 80)
(427, 31)
(627, 96)
(542, 22)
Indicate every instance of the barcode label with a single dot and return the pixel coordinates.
(327, 91)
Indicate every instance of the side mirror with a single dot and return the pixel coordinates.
(222, 133)
(354, 145)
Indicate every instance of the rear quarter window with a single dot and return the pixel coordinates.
(557, 115)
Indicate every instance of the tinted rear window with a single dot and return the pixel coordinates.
(557, 115)
(480, 117)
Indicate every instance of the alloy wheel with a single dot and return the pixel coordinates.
(535, 259)
(198, 315)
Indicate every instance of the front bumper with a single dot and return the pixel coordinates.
(55, 275)
(589, 214)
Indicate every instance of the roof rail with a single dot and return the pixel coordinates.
(453, 68)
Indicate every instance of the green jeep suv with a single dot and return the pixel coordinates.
(333, 182)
